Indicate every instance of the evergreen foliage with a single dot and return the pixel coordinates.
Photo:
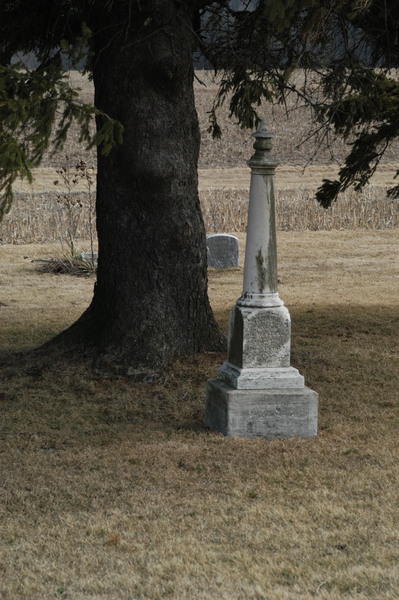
(352, 47)
(37, 106)
(257, 46)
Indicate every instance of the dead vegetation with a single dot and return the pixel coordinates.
(48, 212)
(226, 210)
(66, 265)
(41, 218)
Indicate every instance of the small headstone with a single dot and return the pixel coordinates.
(90, 257)
(222, 251)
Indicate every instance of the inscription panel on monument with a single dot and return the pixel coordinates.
(266, 340)
(259, 337)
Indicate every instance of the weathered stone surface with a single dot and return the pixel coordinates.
(260, 271)
(260, 378)
(89, 256)
(259, 337)
(257, 393)
(222, 251)
(283, 413)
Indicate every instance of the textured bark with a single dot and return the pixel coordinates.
(150, 300)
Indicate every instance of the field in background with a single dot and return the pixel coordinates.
(40, 214)
(42, 217)
(235, 146)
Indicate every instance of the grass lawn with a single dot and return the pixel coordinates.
(114, 490)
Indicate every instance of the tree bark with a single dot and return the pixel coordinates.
(150, 300)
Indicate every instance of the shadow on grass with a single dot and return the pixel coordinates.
(349, 355)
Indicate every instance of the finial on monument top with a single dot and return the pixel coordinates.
(263, 144)
(263, 131)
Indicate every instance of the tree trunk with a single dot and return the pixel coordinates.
(150, 300)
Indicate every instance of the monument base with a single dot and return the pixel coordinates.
(260, 379)
(270, 413)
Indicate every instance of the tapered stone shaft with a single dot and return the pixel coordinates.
(260, 270)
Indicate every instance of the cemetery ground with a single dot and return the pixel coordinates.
(113, 489)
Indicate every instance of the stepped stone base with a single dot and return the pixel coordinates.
(260, 379)
(270, 413)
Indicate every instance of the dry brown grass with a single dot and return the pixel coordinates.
(113, 490)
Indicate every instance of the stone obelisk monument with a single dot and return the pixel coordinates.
(257, 393)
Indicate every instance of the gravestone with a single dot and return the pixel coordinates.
(257, 393)
(89, 257)
(222, 251)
